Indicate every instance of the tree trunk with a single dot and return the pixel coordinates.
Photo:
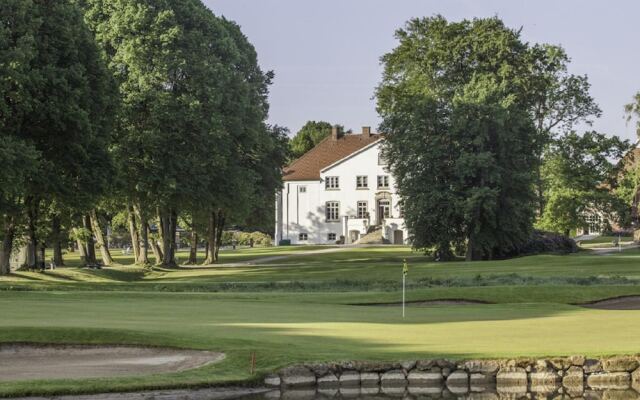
(214, 236)
(56, 234)
(206, 251)
(91, 249)
(32, 220)
(97, 231)
(469, 254)
(133, 232)
(82, 249)
(168, 219)
(157, 253)
(7, 245)
(193, 252)
(144, 231)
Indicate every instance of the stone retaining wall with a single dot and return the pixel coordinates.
(573, 374)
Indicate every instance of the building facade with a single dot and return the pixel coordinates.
(340, 192)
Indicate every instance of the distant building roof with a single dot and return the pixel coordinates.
(331, 149)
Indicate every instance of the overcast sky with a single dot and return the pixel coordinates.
(325, 53)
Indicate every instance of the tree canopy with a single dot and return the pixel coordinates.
(460, 140)
(311, 133)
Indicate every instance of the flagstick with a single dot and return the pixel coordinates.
(403, 287)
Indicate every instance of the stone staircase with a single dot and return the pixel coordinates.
(373, 236)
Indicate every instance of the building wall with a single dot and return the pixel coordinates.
(304, 211)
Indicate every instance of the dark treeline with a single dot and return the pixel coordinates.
(151, 113)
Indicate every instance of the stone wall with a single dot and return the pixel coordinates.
(572, 375)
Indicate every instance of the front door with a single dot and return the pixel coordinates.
(398, 237)
(384, 210)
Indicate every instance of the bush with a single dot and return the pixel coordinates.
(544, 242)
(245, 238)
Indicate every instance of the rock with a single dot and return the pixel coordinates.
(297, 376)
(574, 379)
(591, 365)
(443, 363)
(635, 376)
(428, 391)
(478, 378)
(513, 376)
(369, 390)
(628, 394)
(350, 378)
(319, 369)
(394, 377)
(369, 378)
(425, 378)
(578, 361)
(542, 365)
(559, 363)
(458, 378)
(424, 365)
(393, 390)
(459, 389)
(408, 365)
(482, 366)
(544, 378)
(349, 391)
(329, 380)
(592, 395)
(619, 364)
(446, 371)
(609, 380)
(272, 380)
(376, 366)
(483, 396)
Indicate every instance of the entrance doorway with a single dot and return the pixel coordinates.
(384, 209)
(398, 237)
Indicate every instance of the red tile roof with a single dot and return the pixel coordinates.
(325, 153)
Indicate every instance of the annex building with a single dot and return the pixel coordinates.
(340, 192)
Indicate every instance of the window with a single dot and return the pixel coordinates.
(362, 182)
(332, 183)
(332, 211)
(331, 237)
(400, 210)
(382, 160)
(302, 236)
(361, 209)
(302, 189)
(383, 181)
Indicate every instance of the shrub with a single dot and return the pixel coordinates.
(543, 242)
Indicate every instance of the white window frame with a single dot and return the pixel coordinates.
(381, 159)
(384, 179)
(335, 237)
(332, 211)
(362, 182)
(302, 189)
(303, 236)
(332, 183)
(359, 203)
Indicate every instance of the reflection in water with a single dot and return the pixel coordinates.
(445, 392)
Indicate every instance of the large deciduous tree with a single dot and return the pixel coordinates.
(58, 100)
(560, 101)
(583, 177)
(460, 137)
(311, 133)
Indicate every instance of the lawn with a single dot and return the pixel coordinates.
(284, 321)
(606, 241)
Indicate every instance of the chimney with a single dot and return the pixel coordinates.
(335, 133)
(366, 131)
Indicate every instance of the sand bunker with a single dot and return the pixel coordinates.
(428, 303)
(615, 303)
(21, 362)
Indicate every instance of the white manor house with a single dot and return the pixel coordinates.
(340, 191)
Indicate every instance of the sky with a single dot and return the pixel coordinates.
(326, 53)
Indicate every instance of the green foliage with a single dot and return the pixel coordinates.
(633, 111)
(581, 177)
(311, 133)
(460, 142)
